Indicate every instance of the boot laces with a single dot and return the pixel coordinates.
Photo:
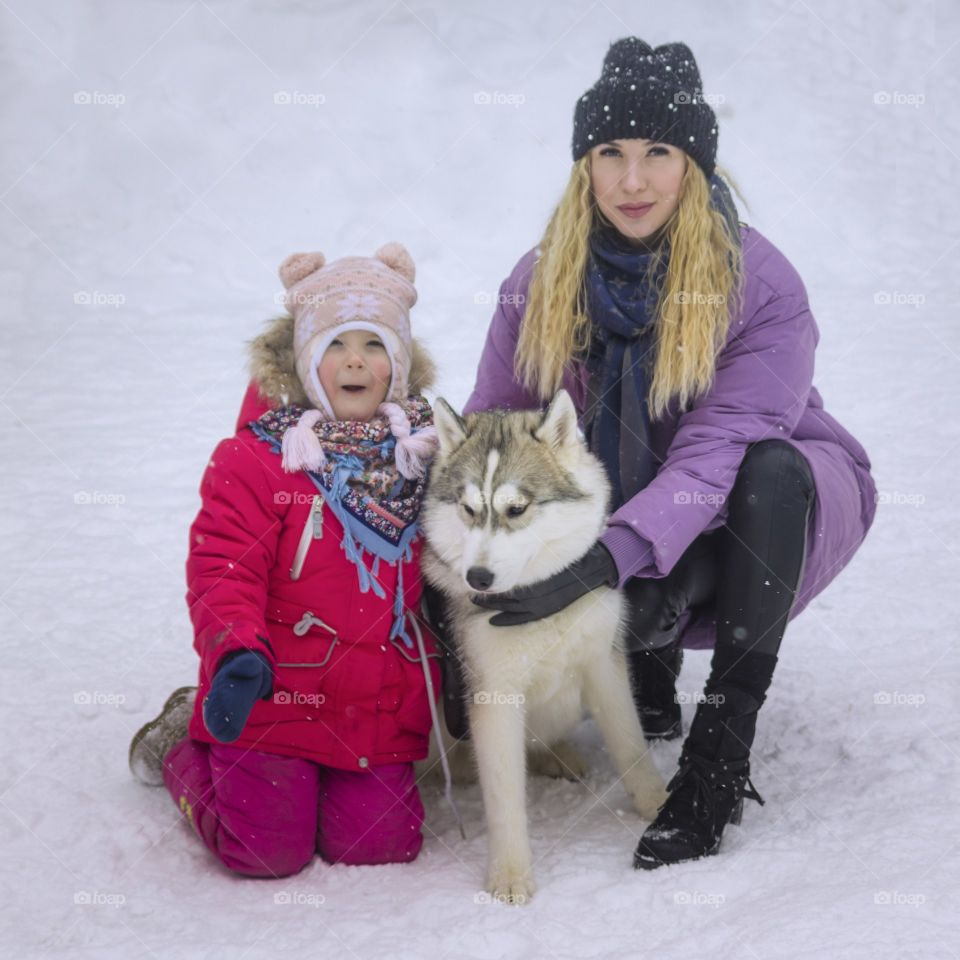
(708, 778)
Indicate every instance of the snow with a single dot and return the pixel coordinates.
(159, 161)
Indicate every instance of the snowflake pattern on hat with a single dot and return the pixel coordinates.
(359, 306)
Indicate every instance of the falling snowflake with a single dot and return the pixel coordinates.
(363, 306)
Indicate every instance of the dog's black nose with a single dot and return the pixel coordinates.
(480, 578)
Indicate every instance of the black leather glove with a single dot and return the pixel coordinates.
(594, 569)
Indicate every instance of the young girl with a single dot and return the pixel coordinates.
(317, 679)
(687, 343)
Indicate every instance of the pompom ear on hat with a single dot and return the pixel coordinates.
(298, 266)
(396, 257)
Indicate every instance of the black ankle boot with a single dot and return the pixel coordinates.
(707, 791)
(653, 680)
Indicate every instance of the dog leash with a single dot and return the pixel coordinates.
(448, 788)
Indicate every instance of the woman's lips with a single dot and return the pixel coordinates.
(634, 210)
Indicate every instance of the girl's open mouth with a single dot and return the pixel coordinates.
(353, 388)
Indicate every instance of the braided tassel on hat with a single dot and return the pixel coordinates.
(412, 448)
(301, 446)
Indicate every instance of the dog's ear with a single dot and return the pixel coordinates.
(451, 430)
(558, 429)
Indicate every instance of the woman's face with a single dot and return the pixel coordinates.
(355, 374)
(636, 184)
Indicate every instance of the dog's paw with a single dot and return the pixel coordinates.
(560, 760)
(511, 884)
(649, 801)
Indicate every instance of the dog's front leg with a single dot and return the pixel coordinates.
(608, 698)
(497, 729)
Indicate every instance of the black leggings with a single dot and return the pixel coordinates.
(748, 571)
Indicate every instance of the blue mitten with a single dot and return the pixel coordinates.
(242, 678)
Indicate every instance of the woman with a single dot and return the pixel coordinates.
(687, 342)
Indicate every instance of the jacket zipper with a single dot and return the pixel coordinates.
(312, 530)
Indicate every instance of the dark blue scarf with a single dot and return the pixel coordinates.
(622, 289)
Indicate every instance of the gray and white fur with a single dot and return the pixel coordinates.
(515, 497)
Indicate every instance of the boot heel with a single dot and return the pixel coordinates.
(737, 815)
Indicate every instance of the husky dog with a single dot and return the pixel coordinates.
(514, 498)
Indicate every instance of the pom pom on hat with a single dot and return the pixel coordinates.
(396, 256)
(298, 266)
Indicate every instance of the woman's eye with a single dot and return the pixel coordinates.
(517, 510)
(658, 151)
(609, 152)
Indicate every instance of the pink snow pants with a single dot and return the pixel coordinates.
(264, 815)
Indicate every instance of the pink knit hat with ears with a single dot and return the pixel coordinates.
(354, 293)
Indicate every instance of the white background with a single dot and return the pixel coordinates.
(141, 235)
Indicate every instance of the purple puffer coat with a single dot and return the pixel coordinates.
(763, 390)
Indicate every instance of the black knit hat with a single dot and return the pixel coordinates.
(654, 93)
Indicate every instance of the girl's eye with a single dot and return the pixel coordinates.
(517, 510)
(375, 343)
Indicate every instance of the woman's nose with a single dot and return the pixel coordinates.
(634, 180)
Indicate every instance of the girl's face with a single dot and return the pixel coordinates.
(636, 184)
(354, 372)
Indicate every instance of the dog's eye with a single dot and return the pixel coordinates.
(469, 511)
(516, 510)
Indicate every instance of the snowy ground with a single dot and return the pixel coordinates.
(159, 160)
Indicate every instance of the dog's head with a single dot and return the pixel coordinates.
(514, 497)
